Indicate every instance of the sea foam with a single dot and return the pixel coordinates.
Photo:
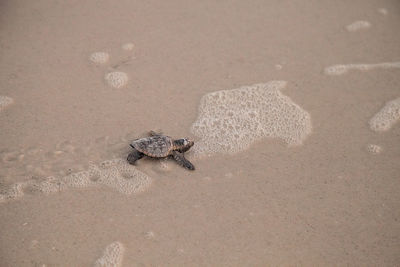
(116, 79)
(229, 121)
(343, 69)
(128, 46)
(358, 25)
(12, 192)
(374, 149)
(112, 256)
(383, 11)
(386, 117)
(5, 101)
(116, 174)
(99, 57)
(121, 176)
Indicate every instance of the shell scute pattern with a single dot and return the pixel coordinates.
(154, 146)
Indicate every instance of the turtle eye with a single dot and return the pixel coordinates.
(185, 142)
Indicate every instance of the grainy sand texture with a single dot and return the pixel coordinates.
(293, 107)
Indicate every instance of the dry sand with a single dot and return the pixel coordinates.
(80, 79)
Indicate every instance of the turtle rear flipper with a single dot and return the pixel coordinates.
(134, 156)
(182, 160)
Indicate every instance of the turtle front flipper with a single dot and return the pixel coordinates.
(134, 156)
(182, 160)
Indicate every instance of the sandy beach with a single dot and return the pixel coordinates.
(294, 108)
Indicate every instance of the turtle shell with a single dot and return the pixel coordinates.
(157, 146)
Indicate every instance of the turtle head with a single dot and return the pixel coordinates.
(183, 145)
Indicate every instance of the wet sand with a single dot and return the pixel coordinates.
(331, 199)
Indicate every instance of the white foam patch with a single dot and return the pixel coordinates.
(386, 117)
(5, 101)
(128, 46)
(116, 79)
(112, 256)
(343, 69)
(383, 11)
(374, 149)
(229, 121)
(99, 57)
(117, 174)
(358, 25)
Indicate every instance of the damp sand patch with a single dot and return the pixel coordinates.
(230, 121)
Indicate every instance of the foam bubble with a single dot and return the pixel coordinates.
(229, 121)
(342, 69)
(374, 149)
(386, 117)
(358, 25)
(99, 57)
(383, 11)
(112, 256)
(5, 101)
(116, 79)
(128, 46)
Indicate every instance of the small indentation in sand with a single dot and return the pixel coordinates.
(116, 79)
(229, 121)
(343, 69)
(112, 256)
(386, 117)
(5, 101)
(99, 57)
(374, 149)
(358, 25)
(128, 46)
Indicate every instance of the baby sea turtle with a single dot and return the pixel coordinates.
(161, 146)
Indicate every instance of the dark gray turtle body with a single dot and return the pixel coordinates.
(161, 146)
(157, 146)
